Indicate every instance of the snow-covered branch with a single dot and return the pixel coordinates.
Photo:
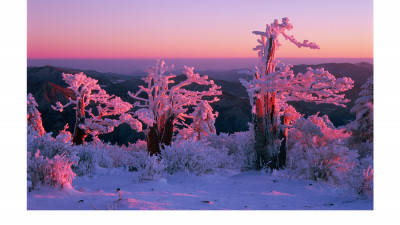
(166, 97)
(34, 118)
(89, 93)
(166, 103)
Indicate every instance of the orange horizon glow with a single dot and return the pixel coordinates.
(207, 29)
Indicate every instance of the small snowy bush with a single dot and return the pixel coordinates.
(102, 153)
(333, 162)
(318, 151)
(367, 186)
(49, 146)
(365, 149)
(240, 147)
(92, 154)
(136, 156)
(195, 157)
(43, 143)
(153, 169)
(363, 177)
(52, 172)
(86, 163)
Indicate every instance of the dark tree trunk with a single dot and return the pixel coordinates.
(269, 152)
(160, 135)
(152, 140)
(283, 147)
(168, 131)
(260, 145)
(79, 134)
(266, 133)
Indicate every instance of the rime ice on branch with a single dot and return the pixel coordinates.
(203, 119)
(203, 122)
(363, 126)
(88, 121)
(33, 116)
(164, 103)
(271, 89)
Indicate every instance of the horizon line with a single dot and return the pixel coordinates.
(219, 58)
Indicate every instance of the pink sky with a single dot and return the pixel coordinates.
(194, 29)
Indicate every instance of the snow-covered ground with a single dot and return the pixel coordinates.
(252, 190)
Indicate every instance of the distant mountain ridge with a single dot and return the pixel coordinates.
(47, 86)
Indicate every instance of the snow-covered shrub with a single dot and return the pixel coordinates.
(365, 149)
(153, 169)
(363, 175)
(86, 160)
(55, 172)
(240, 147)
(196, 157)
(333, 162)
(367, 186)
(317, 150)
(49, 146)
(103, 154)
(37, 168)
(132, 157)
(60, 172)
(203, 122)
(44, 143)
(136, 156)
(93, 154)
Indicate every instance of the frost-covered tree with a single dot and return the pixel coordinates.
(33, 116)
(93, 107)
(273, 85)
(164, 104)
(203, 122)
(53, 172)
(318, 150)
(363, 127)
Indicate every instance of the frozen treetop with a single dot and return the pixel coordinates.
(203, 122)
(322, 127)
(166, 97)
(204, 118)
(273, 31)
(269, 40)
(87, 91)
(316, 85)
(33, 116)
(365, 100)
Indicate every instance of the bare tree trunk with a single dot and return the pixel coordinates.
(283, 135)
(271, 132)
(260, 145)
(160, 135)
(79, 134)
(168, 131)
(153, 141)
(267, 143)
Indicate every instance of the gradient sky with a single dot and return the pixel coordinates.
(194, 29)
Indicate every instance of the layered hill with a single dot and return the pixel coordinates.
(47, 86)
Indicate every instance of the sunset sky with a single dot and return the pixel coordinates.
(194, 29)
